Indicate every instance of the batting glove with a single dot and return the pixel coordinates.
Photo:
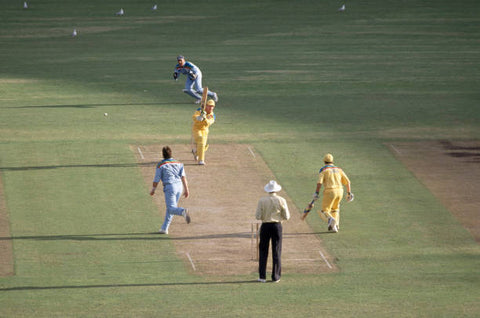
(175, 75)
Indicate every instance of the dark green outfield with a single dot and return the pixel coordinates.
(296, 79)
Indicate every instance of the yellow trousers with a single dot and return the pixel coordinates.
(200, 137)
(331, 205)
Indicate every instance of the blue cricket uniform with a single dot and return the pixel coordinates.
(193, 84)
(170, 172)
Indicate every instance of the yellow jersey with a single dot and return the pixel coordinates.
(332, 177)
(202, 124)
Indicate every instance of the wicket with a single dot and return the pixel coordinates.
(254, 240)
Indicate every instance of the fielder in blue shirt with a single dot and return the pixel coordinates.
(174, 180)
(193, 84)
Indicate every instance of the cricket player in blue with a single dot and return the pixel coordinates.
(174, 180)
(193, 84)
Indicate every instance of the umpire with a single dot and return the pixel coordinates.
(271, 210)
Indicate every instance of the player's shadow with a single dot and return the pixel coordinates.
(122, 237)
(307, 233)
(98, 286)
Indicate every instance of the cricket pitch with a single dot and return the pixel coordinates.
(222, 203)
(450, 170)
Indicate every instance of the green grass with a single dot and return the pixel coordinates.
(296, 79)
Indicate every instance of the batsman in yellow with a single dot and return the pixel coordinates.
(333, 179)
(202, 120)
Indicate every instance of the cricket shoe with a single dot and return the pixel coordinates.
(261, 280)
(201, 163)
(333, 229)
(215, 97)
(186, 215)
(163, 231)
(198, 101)
(194, 153)
(332, 225)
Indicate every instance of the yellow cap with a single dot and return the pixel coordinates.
(210, 102)
(328, 158)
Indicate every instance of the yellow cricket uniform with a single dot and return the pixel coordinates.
(200, 132)
(332, 179)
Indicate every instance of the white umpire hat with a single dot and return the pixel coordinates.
(272, 186)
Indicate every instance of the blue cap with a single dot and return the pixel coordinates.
(180, 57)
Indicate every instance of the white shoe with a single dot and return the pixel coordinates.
(198, 101)
(186, 215)
(332, 225)
(261, 280)
(201, 162)
(215, 97)
(163, 232)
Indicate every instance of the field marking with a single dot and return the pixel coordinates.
(141, 153)
(191, 261)
(251, 151)
(325, 259)
(395, 149)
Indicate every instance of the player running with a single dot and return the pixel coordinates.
(333, 179)
(172, 174)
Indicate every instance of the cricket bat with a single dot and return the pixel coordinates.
(203, 103)
(204, 98)
(308, 209)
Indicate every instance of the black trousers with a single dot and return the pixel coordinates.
(273, 232)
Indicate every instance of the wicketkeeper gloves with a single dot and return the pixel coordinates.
(192, 76)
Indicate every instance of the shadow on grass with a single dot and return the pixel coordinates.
(95, 105)
(137, 236)
(22, 288)
(107, 165)
(123, 237)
